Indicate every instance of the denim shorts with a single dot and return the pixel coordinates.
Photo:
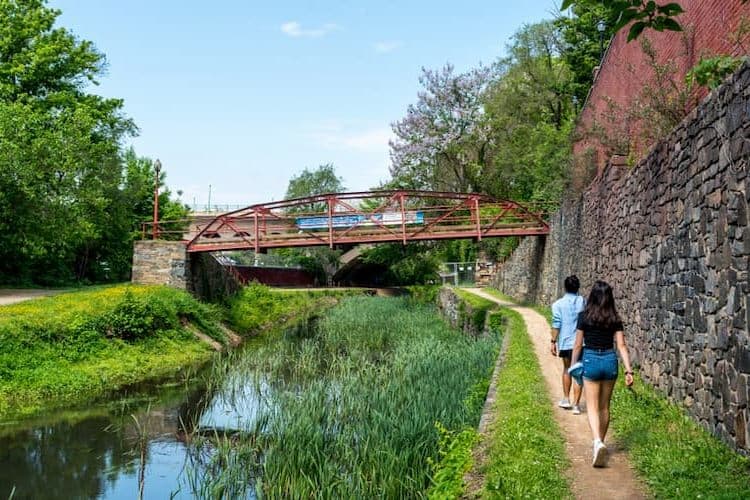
(599, 365)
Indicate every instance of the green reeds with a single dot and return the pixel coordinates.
(351, 404)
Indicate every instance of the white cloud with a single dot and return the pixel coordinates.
(384, 47)
(374, 140)
(295, 30)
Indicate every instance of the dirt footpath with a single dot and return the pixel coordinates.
(616, 481)
(13, 295)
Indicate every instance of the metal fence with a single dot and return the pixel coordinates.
(458, 273)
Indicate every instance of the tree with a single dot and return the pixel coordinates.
(322, 180)
(67, 211)
(443, 143)
(320, 261)
(529, 109)
(583, 43)
(641, 13)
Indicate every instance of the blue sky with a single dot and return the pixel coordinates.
(243, 95)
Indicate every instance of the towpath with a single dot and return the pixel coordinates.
(616, 481)
(13, 295)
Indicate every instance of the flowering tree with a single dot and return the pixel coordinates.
(444, 142)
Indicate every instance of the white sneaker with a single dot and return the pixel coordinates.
(600, 454)
(576, 410)
(565, 404)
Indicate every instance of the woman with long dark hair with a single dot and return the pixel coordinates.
(599, 329)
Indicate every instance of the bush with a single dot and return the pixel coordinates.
(133, 318)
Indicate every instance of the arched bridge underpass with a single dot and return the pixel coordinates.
(364, 217)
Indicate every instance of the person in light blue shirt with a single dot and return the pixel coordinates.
(564, 320)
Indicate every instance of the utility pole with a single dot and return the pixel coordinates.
(208, 209)
(155, 228)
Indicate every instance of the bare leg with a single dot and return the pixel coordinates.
(577, 390)
(605, 395)
(566, 378)
(593, 399)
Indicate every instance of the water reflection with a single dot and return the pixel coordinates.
(114, 453)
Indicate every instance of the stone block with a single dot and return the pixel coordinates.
(743, 389)
(741, 428)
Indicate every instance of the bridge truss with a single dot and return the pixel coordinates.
(364, 217)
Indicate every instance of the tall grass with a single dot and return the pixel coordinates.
(675, 457)
(354, 399)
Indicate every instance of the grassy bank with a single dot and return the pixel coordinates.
(673, 455)
(356, 403)
(525, 448)
(82, 345)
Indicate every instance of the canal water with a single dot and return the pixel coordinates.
(141, 445)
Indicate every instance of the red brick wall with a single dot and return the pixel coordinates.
(707, 24)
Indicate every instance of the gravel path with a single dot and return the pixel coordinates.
(617, 480)
(13, 295)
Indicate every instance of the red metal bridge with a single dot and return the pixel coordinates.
(362, 217)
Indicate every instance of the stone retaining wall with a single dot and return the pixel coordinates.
(460, 313)
(672, 237)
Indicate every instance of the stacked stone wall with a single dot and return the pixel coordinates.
(672, 237)
(157, 262)
(461, 314)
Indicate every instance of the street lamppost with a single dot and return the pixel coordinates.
(155, 228)
(601, 27)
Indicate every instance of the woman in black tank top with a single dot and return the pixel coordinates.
(599, 330)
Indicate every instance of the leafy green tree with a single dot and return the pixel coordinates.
(322, 180)
(412, 264)
(529, 108)
(322, 262)
(66, 211)
(59, 165)
(584, 43)
(642, 14)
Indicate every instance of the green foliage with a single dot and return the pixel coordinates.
(584, 44)
(712, 71)
(353, 408)
(675, 456)
(78, 346)
(526, 449)
(530, 111)
(455, 462)
(257, 306)
(411, 264)
(641, 13)
(424, 294)
(67, 213)
(322, 180)
(135, 318)
(473, 309)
